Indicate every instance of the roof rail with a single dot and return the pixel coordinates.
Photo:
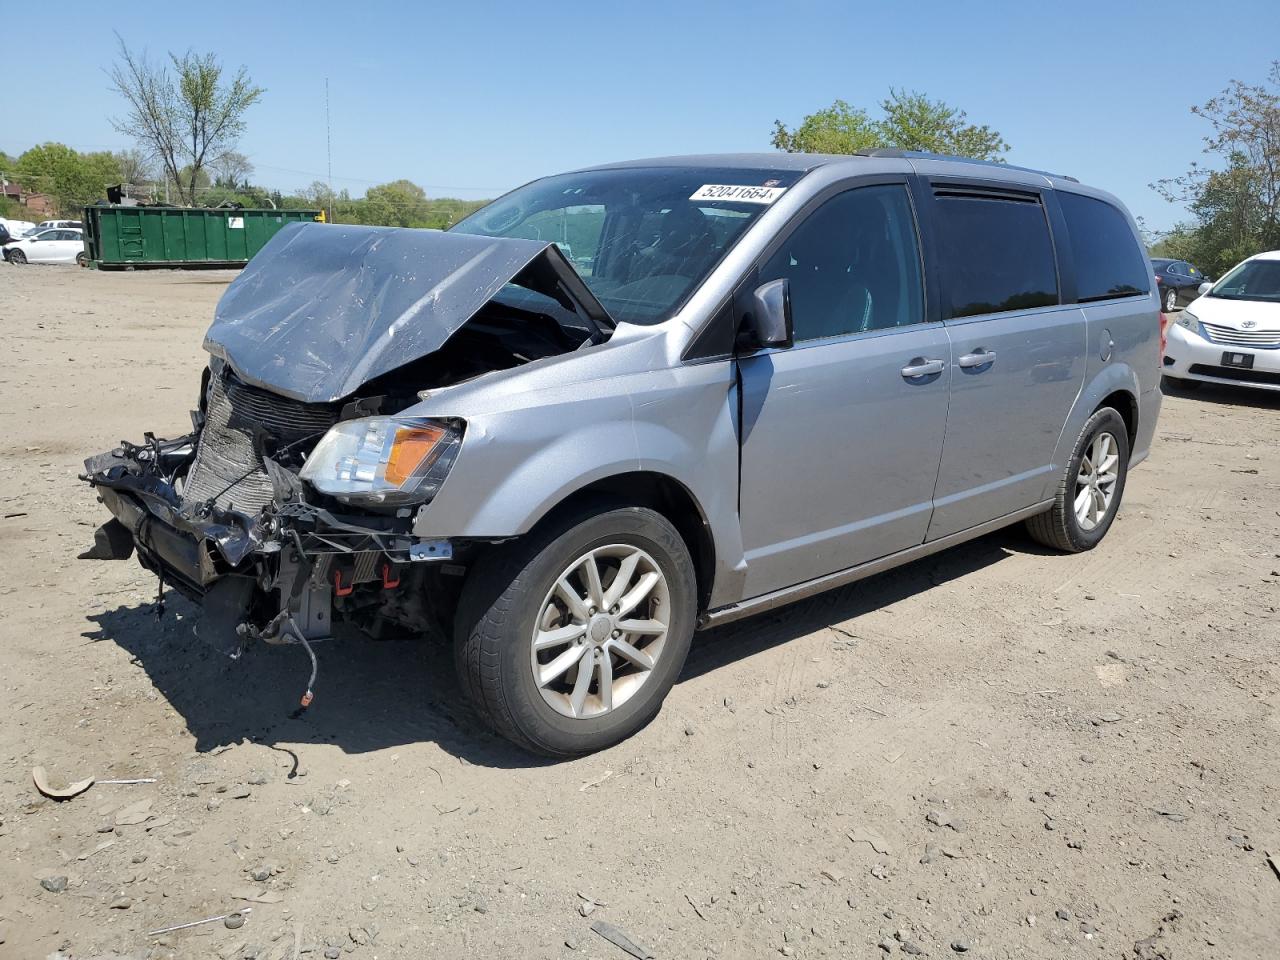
(925, 155)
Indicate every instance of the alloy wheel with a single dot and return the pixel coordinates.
(600, 631)
(1096, 481)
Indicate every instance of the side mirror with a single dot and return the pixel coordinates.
(769, 323)
(1204, 288)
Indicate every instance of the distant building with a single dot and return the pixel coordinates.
(40, 204)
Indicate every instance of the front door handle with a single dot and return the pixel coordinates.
(979, 358)
(920, 367)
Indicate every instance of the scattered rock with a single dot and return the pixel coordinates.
(332, 953)
(257, 778)
(1107, 718)
(886, 945)
(689, 730)
(233, 921)
(120, 903)
(910, 948)
(261, 872)
(961, 946)
(940, 818)
(135, 813)
(880, 871)
(1075, 844)
(213, 804)
(1062, 913)
(54, 884)
(240, 792)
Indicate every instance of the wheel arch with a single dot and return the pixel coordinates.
(663, 494)
(1126, 404)
(1115, 385)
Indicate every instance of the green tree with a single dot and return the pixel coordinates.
(191, 118)
(1235, 207)
(71, 179)
(909, 121)
(838, 128)
(400, 203)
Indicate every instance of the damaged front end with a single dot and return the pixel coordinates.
(223, 516)
(292, 502)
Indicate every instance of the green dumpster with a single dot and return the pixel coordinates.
(119, 237)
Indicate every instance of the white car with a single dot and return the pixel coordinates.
(47, 246)
(58, 225)
(18, 228)
(1231, 333)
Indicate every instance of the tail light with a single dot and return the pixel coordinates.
(1164, 333)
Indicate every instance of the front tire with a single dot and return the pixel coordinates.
(17, 257)
(1090, 489)
(568, 640)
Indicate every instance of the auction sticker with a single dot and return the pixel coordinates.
(738, 194)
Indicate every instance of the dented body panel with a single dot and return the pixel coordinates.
(323, 309)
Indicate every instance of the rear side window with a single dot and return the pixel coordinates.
(1109, 262)
(994, 254)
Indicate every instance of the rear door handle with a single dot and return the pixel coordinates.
(980, 358)
(920, 367)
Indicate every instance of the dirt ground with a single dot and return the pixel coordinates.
(997, 750)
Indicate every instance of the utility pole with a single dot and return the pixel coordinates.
(328, 145)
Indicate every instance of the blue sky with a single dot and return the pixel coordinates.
(469, 99)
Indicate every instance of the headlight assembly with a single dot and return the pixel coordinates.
(1189, 321)
(384, 460)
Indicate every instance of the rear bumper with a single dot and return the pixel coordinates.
(1192, 357)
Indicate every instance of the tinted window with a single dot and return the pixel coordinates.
(994, 255)
(853, 265)
(1109, 262)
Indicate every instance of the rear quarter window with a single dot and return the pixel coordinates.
(1109, 262)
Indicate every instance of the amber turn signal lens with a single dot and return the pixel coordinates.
(411, 452)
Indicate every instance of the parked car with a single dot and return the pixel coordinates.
(1231, 333)
(784, 373)
(59, 224)
(47, 246)
(18, 228)
(1178, 282)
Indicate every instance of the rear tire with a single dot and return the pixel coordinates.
(1170, 300)
(82, 259)
(513, 607)
(1086, 501)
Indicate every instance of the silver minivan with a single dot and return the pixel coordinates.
(617, 405)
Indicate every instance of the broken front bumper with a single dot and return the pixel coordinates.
(276, 575)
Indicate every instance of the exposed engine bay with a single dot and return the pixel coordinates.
(291, 505)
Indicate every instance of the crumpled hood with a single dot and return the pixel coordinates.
(324, 308)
